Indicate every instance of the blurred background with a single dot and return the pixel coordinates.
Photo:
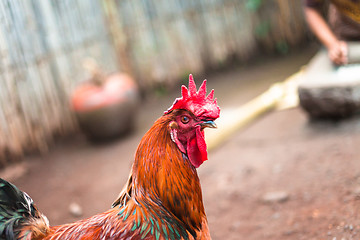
(43, 46)
(241, 46)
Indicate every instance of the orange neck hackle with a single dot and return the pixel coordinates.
(163, 173)
(163, 194)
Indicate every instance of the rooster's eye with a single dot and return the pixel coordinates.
(185, 119)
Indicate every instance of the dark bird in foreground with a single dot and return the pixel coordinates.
(162, 198)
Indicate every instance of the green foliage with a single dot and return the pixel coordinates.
(282, 47)
(262, 29)
(185, 76)
(253, 5)
(161, 90)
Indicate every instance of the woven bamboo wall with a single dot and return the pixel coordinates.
(166, 39)
(43, 44)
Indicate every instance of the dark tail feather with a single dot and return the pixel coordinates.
(19, 217)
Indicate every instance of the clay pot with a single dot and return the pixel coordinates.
(105, 108)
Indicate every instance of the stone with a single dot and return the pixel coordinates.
(326, 91)
(75, 210)
(275, 197)
(356, 192)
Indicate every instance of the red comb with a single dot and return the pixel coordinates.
(196, 101)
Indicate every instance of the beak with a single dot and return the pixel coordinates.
(209, 124)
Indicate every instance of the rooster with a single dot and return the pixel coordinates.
(162, 198)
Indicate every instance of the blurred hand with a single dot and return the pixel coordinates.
(338, 53)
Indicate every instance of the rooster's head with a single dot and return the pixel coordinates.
(193, 112)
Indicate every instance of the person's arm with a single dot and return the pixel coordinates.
(337, 49)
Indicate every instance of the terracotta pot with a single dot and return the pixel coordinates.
(106, 109)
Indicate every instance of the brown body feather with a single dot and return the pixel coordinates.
(161, 200)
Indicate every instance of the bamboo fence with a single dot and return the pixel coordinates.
(42, 46)
(44, 42)
(165, 39)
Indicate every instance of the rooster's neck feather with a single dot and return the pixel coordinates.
(163, 183)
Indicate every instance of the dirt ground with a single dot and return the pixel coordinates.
(283, 177)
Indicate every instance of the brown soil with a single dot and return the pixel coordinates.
(314, 164)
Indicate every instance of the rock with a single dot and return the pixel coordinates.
(330, 101)
(329, 92)
(356, 192)
(75, 209)
(275, 197)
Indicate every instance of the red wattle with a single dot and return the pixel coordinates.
(196, 149)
